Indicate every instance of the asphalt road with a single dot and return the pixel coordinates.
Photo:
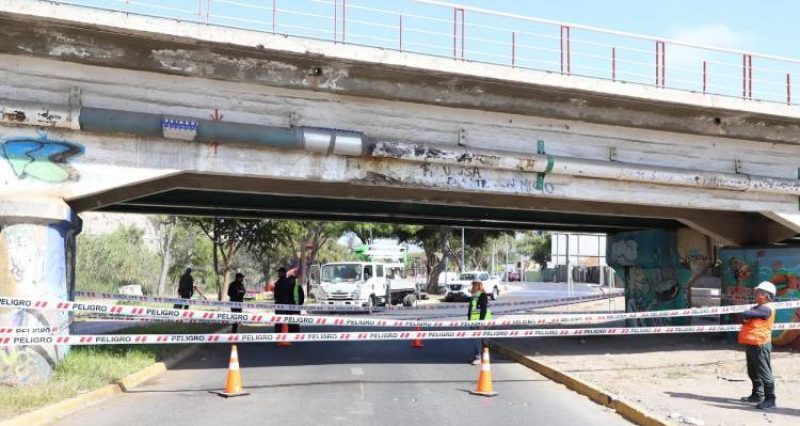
(347, 383)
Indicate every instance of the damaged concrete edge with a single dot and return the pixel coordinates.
(61, 409)
(628, 410)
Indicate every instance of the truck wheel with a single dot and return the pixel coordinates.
(495, 293)
(409, 300)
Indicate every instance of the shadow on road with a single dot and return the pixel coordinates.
(336, 383)
(732, 403)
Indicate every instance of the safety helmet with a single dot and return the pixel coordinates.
(767, 287)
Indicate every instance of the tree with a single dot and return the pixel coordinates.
(536, 246)
(228, 237)
(165, 229)
(105, 262)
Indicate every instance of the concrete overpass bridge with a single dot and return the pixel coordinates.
(112, 111)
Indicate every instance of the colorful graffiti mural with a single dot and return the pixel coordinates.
(40, 158)
(743, 269)
(34, 264)
(658, 268)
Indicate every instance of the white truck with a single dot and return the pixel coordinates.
(460, 288)
(365, 284)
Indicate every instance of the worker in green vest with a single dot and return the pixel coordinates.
(478, 311)
(288, 291)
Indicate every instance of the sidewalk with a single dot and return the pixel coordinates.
(682, 379)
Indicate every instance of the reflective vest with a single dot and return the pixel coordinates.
(475, 312)
(757, 331)
(296, 293)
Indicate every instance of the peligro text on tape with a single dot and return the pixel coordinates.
(38, 339)
(331, 308)
(245, 317)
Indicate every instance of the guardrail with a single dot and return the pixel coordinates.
(474, 34)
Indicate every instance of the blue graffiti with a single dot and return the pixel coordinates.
(41, 158)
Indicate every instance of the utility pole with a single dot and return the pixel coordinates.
(505, 266)
(463, 265)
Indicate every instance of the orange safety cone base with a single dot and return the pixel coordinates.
(230, 394)
(475, 392)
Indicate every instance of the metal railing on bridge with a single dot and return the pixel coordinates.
(474, 34)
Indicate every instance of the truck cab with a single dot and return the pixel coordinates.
(364, 284)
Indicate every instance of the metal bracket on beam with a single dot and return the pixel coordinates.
(737, 165)
(462, 137)
(292, 118)
(75, 100)
(540, 176)
(612, 153)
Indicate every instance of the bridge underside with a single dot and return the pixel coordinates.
(237, 196)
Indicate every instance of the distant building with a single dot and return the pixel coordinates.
(583, 249)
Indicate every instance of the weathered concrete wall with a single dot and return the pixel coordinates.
(658, 269)
(121, 40)
(744, 268)
(37, 261)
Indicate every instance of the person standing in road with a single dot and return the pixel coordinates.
(185, 288)
(478, 310)
(288, 292)
(236, 292)
(756, 336)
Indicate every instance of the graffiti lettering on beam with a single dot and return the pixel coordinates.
(40, 158)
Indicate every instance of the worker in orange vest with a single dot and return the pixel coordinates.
(756, 336)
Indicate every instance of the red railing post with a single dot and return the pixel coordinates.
(750, 76)
(335, 20)
(661, 61)
(401, 33)
(463, 30)
(566, 51)
(747, 75)
(344, 20)
(513, 48)
(705, 76)
(788, 89)
(455, 31)
(613, 64)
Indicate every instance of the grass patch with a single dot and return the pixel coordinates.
(90, 367)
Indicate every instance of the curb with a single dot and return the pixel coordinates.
(50, 413)
(626, 409)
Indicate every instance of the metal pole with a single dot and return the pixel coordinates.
(505, 266)
(463, 265)
(569, 277)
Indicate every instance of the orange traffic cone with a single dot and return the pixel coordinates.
(233, 386)
(417, 343)
(485, 377)
(284, 330)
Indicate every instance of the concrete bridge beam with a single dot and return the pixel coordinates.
(37, 261)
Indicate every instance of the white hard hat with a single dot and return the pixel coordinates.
(768, 287)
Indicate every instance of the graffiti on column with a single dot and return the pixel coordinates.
(655, 271)
(40, 158)
(743, 269)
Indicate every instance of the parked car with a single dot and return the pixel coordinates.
(460, 288)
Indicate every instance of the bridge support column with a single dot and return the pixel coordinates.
(658, 269)
(37, 261)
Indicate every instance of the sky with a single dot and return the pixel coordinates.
(768, 26)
